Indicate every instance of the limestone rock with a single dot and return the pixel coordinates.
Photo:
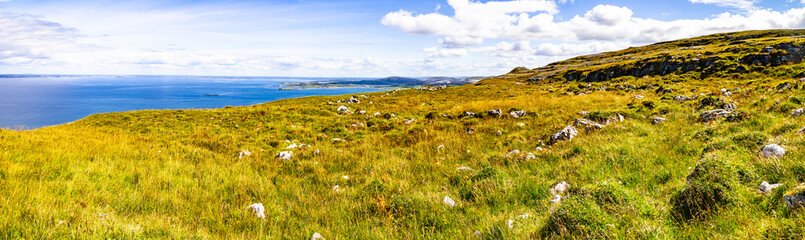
(658, 120)
(342, 109)
(798, 112)
(772, 151)
(316, 236)
(712, 115)
(449, 202)
(285, 155)
(587, 124)
(681, 98)
(518, 113)
(566, 134)
(495, 113)
(559, 188)
(556, 199)
(766, 188)
(514, 153)
(795, 198)
(464, 168)
(258, 210)
(468, 114)
(244, 153)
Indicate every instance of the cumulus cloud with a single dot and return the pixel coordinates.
(741, 4)
(471, 22)
(602, 28)
(25, 38)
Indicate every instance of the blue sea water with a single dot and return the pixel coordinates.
(35, 102)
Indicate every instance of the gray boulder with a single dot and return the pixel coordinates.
(772, 151)
(566, 134)
(658, 120)
(468, 114)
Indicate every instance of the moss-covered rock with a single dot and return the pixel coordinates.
(709, 187)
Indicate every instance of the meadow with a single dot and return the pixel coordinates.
(183, 173)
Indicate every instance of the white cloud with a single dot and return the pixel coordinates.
(25, 38)
(445, 53)
(602, 28)
(741, 4)
(472, 21)
(608, 15)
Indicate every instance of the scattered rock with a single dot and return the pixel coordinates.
(440, 147)
(362, 112)
(285, 155)
(511, 224)
(343, 109)
(470, 131)
(638, 97)
(767, 49)
(468, 114)
(712, 115)
(772, 151)
(529, 156)
(500, 132)
(464, 168)
(766, 188)
(292, 146)
(798, 112)
(556, 199)
(658, 120)
(495, 113)
(587, 124)
(410, 121)
(449, 202)
(566, 134)
(583, 113)
(727, 94)
(795, 198)
(539, 149)
(559, 188)
(316, 236)
(518, 113)
(258, 210)
(244, 153)
(681, 98)
(336, 188)
(514, 153)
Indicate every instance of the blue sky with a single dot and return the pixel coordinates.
(362, 38)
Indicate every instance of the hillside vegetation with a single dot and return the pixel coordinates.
(646, 163)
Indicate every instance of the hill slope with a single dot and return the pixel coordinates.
(663, 171)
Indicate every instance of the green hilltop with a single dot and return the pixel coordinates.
(688, 139)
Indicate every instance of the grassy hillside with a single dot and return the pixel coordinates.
(179, 174)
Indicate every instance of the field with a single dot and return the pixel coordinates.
(381, 175)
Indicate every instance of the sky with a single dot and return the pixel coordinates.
(355, 38)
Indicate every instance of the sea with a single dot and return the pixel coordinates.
(30, 102)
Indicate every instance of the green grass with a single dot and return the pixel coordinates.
(176, 173)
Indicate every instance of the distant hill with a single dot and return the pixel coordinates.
(390, 82)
